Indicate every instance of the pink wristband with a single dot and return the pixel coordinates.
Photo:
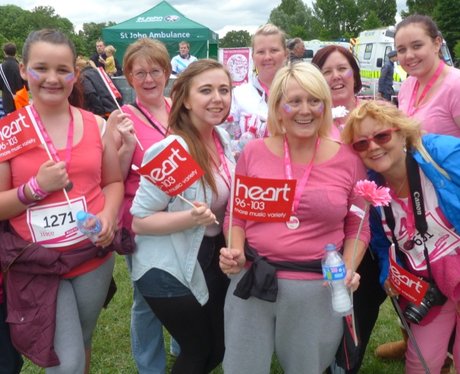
(37, 192)
(22, 195)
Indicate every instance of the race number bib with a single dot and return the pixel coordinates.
(55, 225)
(440, 241)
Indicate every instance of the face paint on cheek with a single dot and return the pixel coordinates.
(69, 77)
(287, 108)
(348, 73)
(319, 109)
(33, 74)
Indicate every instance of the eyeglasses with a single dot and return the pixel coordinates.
(141, 75)
(380, 138)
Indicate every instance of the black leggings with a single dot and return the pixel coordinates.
(199, 330)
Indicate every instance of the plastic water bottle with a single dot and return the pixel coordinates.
(89, 224)
(334, 272)
(246, 137)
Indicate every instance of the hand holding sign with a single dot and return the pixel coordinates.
(202, 215)
(173, 171)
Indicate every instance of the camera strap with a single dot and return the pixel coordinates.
(418, 208)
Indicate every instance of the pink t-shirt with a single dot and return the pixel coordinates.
(324, 209)
(437, 114)
(147, 136)
(84, 171)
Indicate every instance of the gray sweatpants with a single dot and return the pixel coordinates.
(300, 327)
(79, 303)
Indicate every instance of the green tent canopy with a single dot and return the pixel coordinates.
(165, 23)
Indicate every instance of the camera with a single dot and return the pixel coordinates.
(415, 313)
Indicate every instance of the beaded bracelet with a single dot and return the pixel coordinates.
(37, 192)
(22, 195)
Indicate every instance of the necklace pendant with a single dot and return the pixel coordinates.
(69, 186)
(293, 223)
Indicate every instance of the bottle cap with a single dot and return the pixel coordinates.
(330, 247)
(230, 118)
(81, 215)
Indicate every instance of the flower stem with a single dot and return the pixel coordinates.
(355, 247)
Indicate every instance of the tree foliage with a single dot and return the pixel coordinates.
(446, 14)
(338, 18)
(234, 39)
(385, 10)
(295, 18)
(420, 7)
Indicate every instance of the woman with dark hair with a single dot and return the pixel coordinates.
(77, 171)
(341, 71)
(175, 266)
(431, 93)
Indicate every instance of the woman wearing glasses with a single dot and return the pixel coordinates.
(147, 68)
(390, 143)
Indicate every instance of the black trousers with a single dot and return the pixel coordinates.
(198, 329)
(366, 302)
(10, 359)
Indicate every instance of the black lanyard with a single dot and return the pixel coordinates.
(418, 207)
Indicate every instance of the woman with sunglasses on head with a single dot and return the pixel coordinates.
(341, 71)
(294, 324)
(423, 176)
(431, 93)
(144, 122)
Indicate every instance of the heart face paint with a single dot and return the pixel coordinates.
(69, 77)
(287, 108)
(33, 74)
(319, 109)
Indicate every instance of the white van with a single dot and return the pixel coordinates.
(312, 46)
(371, 48)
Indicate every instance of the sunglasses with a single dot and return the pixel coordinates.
(380, 138)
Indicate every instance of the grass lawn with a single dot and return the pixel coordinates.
(111, 342)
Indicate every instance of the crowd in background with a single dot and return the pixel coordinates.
(187, 275)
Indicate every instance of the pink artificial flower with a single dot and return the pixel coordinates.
(377, 196)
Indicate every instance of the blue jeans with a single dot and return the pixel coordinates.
(147, 342)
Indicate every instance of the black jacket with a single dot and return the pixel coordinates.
(97, 98)
(11, 69)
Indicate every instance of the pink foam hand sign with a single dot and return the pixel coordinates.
(18, 134)
(264, 200)
(173, 170)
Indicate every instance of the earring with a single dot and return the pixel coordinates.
(404, 148)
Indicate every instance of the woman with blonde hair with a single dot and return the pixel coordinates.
(299, 147)
(249, 105)
(422, 220)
